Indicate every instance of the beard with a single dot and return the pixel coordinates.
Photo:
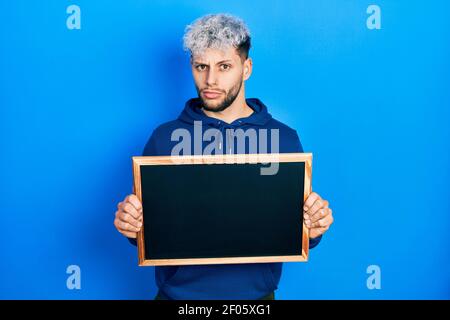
(229, 98)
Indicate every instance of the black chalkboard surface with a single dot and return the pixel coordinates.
(208, 209)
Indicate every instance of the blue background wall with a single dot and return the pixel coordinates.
(372, 105)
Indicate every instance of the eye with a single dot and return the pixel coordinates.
(200, 67)
(225, 66)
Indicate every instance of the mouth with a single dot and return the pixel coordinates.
(211, 94)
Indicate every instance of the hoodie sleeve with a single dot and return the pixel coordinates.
(149, 150)
(134, 241)
(312, 241)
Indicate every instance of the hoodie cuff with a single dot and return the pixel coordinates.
(132, 241)
(314, 241)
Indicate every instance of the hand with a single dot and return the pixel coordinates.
(128, 219)
(317, 216)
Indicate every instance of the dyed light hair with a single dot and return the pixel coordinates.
(217, 31)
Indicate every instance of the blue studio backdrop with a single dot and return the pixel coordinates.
(365, 84)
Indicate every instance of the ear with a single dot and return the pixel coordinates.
(248, 66)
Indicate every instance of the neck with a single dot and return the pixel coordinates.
(238, 109)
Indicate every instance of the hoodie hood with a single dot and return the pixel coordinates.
(193, 112)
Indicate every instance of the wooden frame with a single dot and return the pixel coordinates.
(139, 161)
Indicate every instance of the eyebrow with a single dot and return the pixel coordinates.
(220, 62)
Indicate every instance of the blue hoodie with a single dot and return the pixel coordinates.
(227, 281)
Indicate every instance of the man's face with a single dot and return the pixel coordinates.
(218, 77)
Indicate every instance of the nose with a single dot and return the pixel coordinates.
(211, 78)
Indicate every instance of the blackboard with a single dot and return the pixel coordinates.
(222, 209)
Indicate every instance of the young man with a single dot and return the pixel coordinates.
(219, 46)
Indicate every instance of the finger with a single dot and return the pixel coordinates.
(125, 217)
(132, 235)
(125, 226)
(314, 233)
(133, 199)
(312, 222)
(322, 223)
(308, 223)
(130, 209)
(318, 204)
(312, 209)
(320, 214)
(310, 201)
